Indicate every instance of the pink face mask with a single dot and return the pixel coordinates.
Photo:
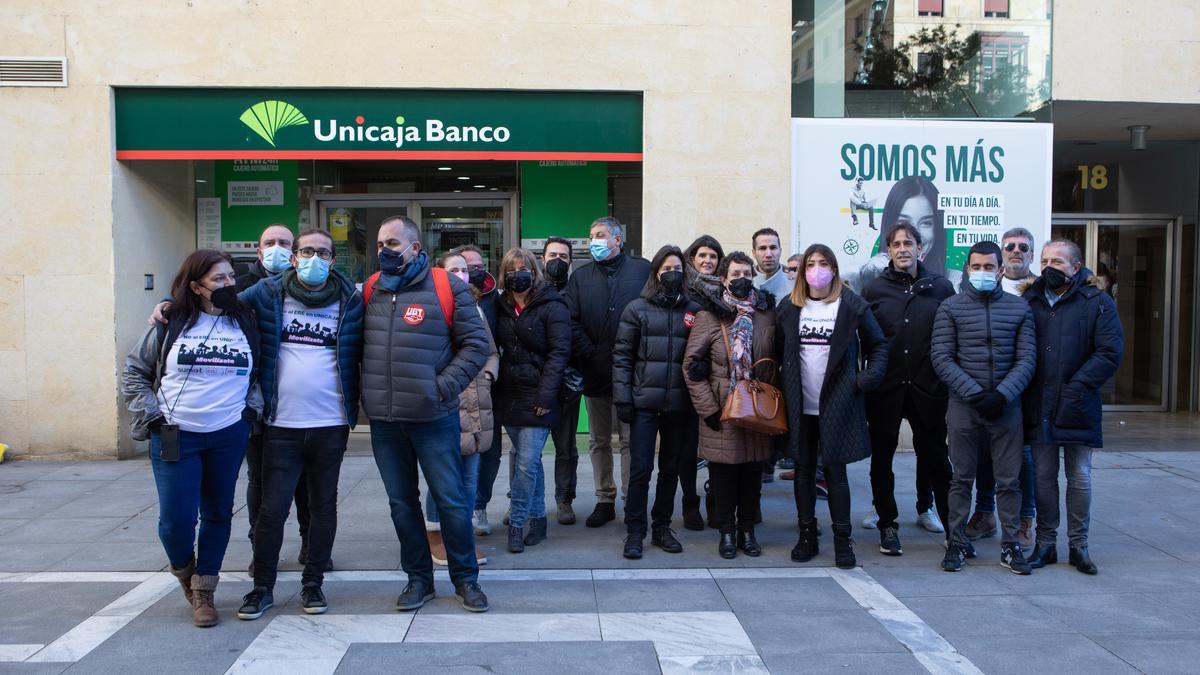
(818, 277)
(464, 276)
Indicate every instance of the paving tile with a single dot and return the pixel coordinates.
(680, 633)
(98, 470)
(1114, 612)
(96, 505)
(928, 580)
(1155, 652)
(978, 615)
(783, 661)
(34, 557)
(50, 530)
(660, 596)
(462, 658)
(113, 557)
(1062, 653)
(801, 631)
(748, 595)
(525, 597)
(49, 489)
(8, 524)
(41, 613)
(490, 627)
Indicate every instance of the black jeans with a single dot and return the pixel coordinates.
(669, 428)
(805, 485)
(927, 417)
(688, 457)
(254, 489)
(566, 453)
(736, 490)
(287, 453)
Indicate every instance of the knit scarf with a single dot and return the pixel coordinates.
(324, 296)
(741, 336)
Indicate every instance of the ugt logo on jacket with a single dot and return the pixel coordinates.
(414, 315)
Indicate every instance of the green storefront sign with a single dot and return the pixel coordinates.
(171, 123)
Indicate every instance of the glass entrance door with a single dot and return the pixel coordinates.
(1133, 257)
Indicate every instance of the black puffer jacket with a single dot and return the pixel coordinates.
(597, 294)
(905, 308)
(984, 342)
(648, 357)
(534, 350)
(415, 366)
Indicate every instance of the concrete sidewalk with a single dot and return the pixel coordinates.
(81, 586)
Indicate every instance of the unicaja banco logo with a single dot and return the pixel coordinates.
(265, 118)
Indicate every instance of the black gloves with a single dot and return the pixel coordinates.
(155, 424)
(713, 421)
(698, 371)
(625, 413)
(989, 404)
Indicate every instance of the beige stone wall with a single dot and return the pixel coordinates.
(1110, 50)
(716, 142)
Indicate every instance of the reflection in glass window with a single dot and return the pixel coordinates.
(995, 9)
(930, 8)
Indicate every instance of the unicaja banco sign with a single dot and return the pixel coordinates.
(167, 123)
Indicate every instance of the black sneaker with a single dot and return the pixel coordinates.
(603, 513)
(1012, 558)
(633, 546)
(312, 600)
(822, 489)
(889, 541)
(954, 559)
(664, 538)
(471, 596)
(414, 596)
(255, 603)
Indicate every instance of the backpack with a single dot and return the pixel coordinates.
(441, 284)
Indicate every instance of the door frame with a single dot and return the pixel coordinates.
(412, 205)
(1174, 224)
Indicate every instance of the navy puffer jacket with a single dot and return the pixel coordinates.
(1080, 347)
(648, 357)
(535, 348)
(984, 342)
(597, 293)
(266, 298)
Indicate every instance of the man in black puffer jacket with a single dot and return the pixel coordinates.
(985, 350)
(651, 395)
(597, 294)
(905, 297)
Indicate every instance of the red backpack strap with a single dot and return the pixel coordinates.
(441, 284)
(369, 288)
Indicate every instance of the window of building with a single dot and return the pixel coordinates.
(931, 8)
(929, 66)
(995, 9)
(860, 25)
(808, 59)
(999, 54)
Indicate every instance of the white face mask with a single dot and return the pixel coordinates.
(276, 259)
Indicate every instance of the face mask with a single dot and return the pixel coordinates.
(391, 261)
(518, 282)
(276, 259)
(557, 270)
(818, 277)
(984, 282)
(740, 288)
(599, 249)
(313, 271)
(1055, 278)
(466, 278)
(672, 282)
(224, 298)
(476, 277)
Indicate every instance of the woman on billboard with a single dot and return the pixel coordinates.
(912, 200)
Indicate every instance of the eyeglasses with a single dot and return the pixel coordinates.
(322, 253)
(1012, 246)
(793, 270)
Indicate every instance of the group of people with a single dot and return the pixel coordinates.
(994, 379)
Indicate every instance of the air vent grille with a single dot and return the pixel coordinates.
(17, 71)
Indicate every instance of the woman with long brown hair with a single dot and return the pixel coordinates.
(191, 387)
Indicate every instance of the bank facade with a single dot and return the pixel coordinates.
(169, 128)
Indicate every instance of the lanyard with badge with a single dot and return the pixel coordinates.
(168, 433)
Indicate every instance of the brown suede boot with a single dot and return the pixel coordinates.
(184, 575)
(204, 612)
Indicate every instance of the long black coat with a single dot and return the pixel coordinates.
(905, 307)
(648, 355)
(1080, 344)
(534, 350)
(843, 415)
(596, 305)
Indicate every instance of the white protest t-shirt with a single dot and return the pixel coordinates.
(308, 390)
(214, 358)
(817, 320)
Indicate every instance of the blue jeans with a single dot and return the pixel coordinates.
(985, 485)
(202, 482)
(529, 479)
(470, 481)
(489, 466)
(1077, 462)
(399, 448)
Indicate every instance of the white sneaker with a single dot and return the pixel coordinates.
(480, 522)
(930, 522)
(872, 521)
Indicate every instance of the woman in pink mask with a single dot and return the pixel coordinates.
(828, 331)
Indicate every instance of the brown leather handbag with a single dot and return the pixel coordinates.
(753, 404)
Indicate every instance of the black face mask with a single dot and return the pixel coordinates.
(740, 288)
(391, 261)
(1055, 278)
(672, 282)
(518, 282)
(224, 298)
(476, 277)
(557, 270)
